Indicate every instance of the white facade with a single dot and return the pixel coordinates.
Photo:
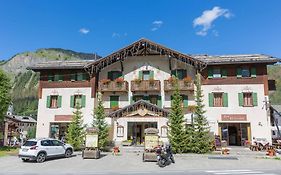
(257, 116)
(47, 115)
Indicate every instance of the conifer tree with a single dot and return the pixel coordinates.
(76, 130)
(177, 133)
(202, 139)
(5, 96)
(100, 123)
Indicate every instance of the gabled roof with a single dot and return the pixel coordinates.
(236, 59)
(23, 119)
(141, 104)
(140, 48)
(60, 65)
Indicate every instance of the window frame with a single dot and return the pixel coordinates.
(218, 75)
(221, 99)
(56, 99)
(251, 99)
(75, 98)
(249, 72)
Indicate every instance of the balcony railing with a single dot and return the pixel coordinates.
(145, 85)
(113, 86)
(183, 86)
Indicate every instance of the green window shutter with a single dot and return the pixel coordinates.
(60, 77)
(210, 73)
(110, 75)
(83, 101)
(79, 76)
(50, 77)
(240, 98)
(159, 101)
(239, 72)
(174, 73)
(140, 75)
(84, 76)
(151, 74)
(225, 99)
(48, 104)
(253, 72)
(56, 78)
(184, 74)
(185, 101)
(224, 73)
(114, 100)
(73, 77)
(255, 99)
(59, 101)
(146, 98)
(72, 101)
(211, 99)
(131, 99)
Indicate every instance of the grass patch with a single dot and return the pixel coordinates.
(7, 150)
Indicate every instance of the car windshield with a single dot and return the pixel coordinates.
(30, 143)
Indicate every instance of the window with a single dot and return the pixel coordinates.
(138, 97)
(51, 78)
(218, 99)
(248, 99)
(217, 73)
(153, 99)
(58, 77)
(56, 143)
(164, 131)
(45, 143)
(120, 131)
(77, 100)
(54, 101)
(79, 76)
(179, 73)
(246, 72)
(113, 75)
(30, 143)
(146, 75)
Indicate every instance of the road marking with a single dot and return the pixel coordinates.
(233, 172)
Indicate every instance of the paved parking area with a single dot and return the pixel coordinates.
(131, 163)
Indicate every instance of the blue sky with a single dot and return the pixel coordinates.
(190, 26)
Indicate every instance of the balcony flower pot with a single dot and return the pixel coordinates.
(151, 82)
(105, 81)
(137, 81)
(172, 80)
(119, 81)
(187, 80)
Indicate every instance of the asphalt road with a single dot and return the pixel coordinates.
(132, 164)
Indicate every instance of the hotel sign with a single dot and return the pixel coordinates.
(234, 117)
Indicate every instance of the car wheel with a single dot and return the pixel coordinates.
(68, 153)
(24, 160)
(41, 157)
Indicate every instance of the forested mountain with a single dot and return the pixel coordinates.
(25, 83)
(274, 73)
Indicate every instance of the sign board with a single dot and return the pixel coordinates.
(91, 140)
(234, 117)
(151, 141)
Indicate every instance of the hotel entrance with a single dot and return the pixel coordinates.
(236, 134)
(136, 131)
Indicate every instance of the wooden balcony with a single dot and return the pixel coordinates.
(183, 86)
(145, 85)
(113, 86)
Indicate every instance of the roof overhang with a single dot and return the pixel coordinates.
(141, 108)
(142, 47)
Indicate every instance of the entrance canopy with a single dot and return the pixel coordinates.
(142, 47)
(141, 108)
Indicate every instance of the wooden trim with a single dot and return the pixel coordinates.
(63, 118)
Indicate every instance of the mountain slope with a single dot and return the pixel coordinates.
(25, 83)
(274, 73)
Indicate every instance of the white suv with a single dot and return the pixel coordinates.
(41, 149)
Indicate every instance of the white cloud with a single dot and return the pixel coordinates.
(208, 17)
(84, 31)
(114, 34)
(156, 25)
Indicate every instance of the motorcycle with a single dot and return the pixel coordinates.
(164, 156)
